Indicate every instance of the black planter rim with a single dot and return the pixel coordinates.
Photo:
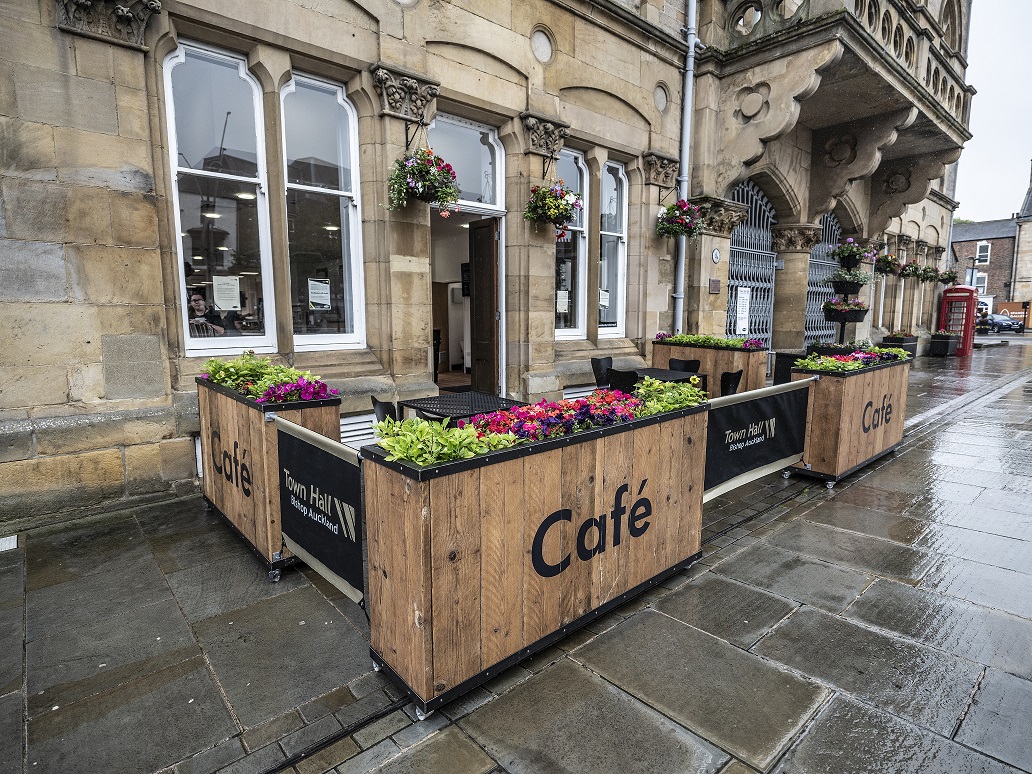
(844, 288)
(709, 346)
(845, 315)
(247, 400)
(849, 262)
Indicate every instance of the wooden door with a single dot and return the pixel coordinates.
(483, 253)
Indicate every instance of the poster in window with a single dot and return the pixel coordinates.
(318, 295)
(226, 293)
(562, 301)
(603, 298)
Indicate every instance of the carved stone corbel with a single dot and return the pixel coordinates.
(921, 248)
(905, 181)
(851, 152)
(403, 94)
(661, 169)
(545, 135)
(122, 22)
(795, 238)
(904, 240)
(719, 216)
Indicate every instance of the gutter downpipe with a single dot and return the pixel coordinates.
(690, 14)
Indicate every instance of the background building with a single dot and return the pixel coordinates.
(151, 152)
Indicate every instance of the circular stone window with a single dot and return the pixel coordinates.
(661, 97)
(746, 19)
(541, 46)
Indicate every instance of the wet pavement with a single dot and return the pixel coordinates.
(882, 626)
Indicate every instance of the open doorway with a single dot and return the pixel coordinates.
(464, 299)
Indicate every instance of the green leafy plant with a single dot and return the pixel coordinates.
(845, 305)
(657, 397)
(426, 442)
(854, 361)
(700, 340)
(948, 277)
(422, 174)
(887, 264)
(682, 218)
(899, 334)
(928, 274)
(910, 269)
(943, 332)
(254, 376)
(555, 204)
(851, 250)
(849, 275)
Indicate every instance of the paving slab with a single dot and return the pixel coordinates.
(889, 500)
(269, 662)
(449, 751)
(12, 648)
(880, 557)
(978, 633)
(201, 539)
(997, 500)
(926, 686)
(797, 577)
(852, 738)
(75, 663)
(143, 725)
(568, 719)
(369, 759)
(992, 522)
(12, 733)
(732, 611)
(211, 760)
(202, 591)
(747, 705)
(1007, 552)
(998, 721)
(879, 524)
(981, 583)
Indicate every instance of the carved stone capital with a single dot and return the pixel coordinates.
(122, 22)
(922, 247)
(545, 135)
(939, 250)
(795, 238)
(403, 94)
(904, 240)
(719, 216)
(661, 170)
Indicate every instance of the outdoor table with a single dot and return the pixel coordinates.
(665, 374)
(460, 405)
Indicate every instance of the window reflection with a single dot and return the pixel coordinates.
(471, 153)
(570, 251)
(611, 252)
(318, 142)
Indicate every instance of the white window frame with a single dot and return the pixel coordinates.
(222, 345)
(981, 281)
(619, 330)
(499, 164)
(357, 339)
(982, 256)
(580, 233)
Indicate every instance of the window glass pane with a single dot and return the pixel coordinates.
(612, 200)
(566, 169)
(567, 281)
(318, 231)
(609, 281)
(214, 108)
(221, 256)
(318, 147)
(471, 154)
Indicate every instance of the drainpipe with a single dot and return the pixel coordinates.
(690, 12)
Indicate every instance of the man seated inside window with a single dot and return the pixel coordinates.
(204, 321)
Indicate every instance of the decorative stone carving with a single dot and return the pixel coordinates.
(904, 240)
(545, 135)
(403, 95)
(719, 216)
(122, 22)
(661, 170)
(922, 248)
(795, 238)
(753, 103)
(939, 250)
(897, 181)
(905, 181)
(840, 150)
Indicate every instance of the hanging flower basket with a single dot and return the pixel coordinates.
(948, 277)
(929, 274)
(851, 253)
(422, 174)
(555, 204)
(910, 270)
(847, 288)
(680, 219)
(845, 315)
(887, 264)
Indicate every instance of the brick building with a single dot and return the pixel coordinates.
(983, 256)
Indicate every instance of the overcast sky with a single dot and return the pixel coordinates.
(993, 175)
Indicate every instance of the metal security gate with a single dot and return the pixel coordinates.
(752, 263)
(817, 328)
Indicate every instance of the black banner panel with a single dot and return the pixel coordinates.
(752, 434)
(321, 506)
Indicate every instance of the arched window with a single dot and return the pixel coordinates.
(571, 253)
(950, 23)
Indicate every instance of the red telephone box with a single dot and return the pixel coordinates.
(957, 315)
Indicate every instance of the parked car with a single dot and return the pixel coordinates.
(1001, 322)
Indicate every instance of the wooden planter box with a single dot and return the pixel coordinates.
(854, 418)
(714, 361)
(824, 348)
(943, 346)
(476, 564)
(240, 461)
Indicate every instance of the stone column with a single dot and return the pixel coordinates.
(792, 243)
(931, 313)
(706, 265)
(920, 289)
(661, 252)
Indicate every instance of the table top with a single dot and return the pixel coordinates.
(665, 374)
(459, 405)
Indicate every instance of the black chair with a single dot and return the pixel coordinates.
(600, 367)
(383, 409)
(691, 366)
(729, 381)
(623, 381)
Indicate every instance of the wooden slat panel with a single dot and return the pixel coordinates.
(693, 481)
(644, 552)
(714, 362)
(581, 477)
(502, 513)
(617, 455)
(542, 496)
(401, 612)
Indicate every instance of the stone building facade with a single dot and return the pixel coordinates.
(238, 152)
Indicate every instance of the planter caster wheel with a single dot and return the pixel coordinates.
(422, 715)
(275, 575)
(376, 667)
(786, 474)
(829, 484)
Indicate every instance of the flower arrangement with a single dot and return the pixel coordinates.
(554, 419)
(699, 340)
(910, 269)
(949, 277)
(261, 379)
(426, 442)
(854, 361)
(555, 204)
(424, 175)
(944, 332)
(851, 251)
(679, 219)
(887, 264)
(853, 276)
(928, 274)
(837, 304)
(899, 334)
